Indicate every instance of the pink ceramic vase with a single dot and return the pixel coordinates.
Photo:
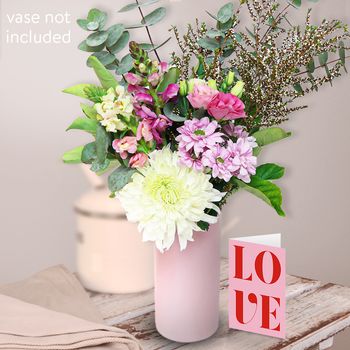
(187, 288)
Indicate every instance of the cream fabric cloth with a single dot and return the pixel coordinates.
(51, 311)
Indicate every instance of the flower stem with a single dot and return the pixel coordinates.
(148, 31)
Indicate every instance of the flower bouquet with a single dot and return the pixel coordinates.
(180, 136)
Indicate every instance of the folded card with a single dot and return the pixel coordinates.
(257, 285)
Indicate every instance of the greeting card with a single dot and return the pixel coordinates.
(257, 285)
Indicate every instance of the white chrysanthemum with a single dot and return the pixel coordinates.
(166, 198)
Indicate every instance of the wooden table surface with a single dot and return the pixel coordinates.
(315, 313)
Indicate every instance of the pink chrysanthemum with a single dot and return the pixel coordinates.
(243, 161)
(219, 160)
(198, 134)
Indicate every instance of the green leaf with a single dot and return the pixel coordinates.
(265, 190)
(119, 178)
(323, 58)
(98, 167)
(209, 44)
(83, 46)
(171, 77)
(238, 37)
(112, 164)
(225, 13)
(104, 57)
(168, 111)
(102, 143)
(298, 88)
(133, 6)
(125, 65)
(267, 136)
(213, 33)
(121, 43)
(342, 52)
(269, 171)
(85, 124)
(93, 25)
(296, 3)
(95, 15)
(154, 17)
(106, 78)
(89, 111)
(95, 93)
(311, 66)
(73, 156)
(77, 90)
(82, 23)
(114, 34)
(88, 154)
(97, 38)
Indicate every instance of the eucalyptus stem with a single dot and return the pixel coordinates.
(148, 31)
(321, 66)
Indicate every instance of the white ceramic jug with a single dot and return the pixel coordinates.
(111, 257)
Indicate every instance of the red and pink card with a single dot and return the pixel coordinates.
(257, 285)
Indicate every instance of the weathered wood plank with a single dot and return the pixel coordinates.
(315, 313)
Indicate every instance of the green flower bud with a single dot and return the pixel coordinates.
(238, 89)
(142, 68)
(212, 84)
(183, 88)
(230, 78)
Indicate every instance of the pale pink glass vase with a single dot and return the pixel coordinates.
(187, 288)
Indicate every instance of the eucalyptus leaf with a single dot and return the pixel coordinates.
(298, 88)
(265, 190)
(102, 143)
(342, 52)
(323, 58)
(114, 34)
(209, 44)
(119, 178)
(213, 33)
(106, 78)
(93, 25)
(154, 17)
(267, 136)
(85, 124)
(88, 154)
(170, 77)
(85, 47)
(225, 13)
(168, 111)
(112, 165)
(73, 156)
(83, 23)
(98, 167)
(105, 57)
(121, 43)
(270, 171)
(96, 15)
(311, 66)
(126, 64)
(97, 38)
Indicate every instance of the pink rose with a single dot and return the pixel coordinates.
(201, 96)
(139, 160)
(226, 107)
(127, 144)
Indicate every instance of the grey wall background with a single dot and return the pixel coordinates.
(37, 190)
